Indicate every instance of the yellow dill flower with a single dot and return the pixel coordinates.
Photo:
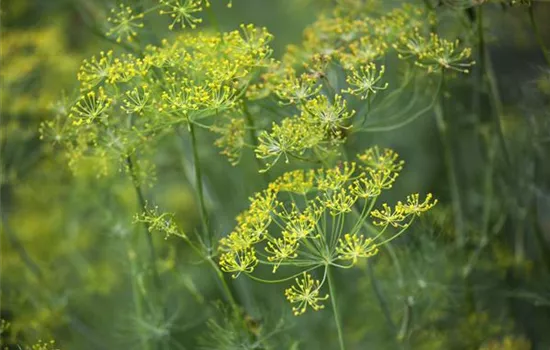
(365, 188)
(159, 222)
(125, 68)
(388, 216)
(91, 106)
(329, 116)
(411, 44)
(382, 179)
(381, 160)
(240, 239)
(353, 247)
(232, 139)
(366, 49)
(301, 225)
(339, 202)
(292, 137)
(263, 203)
(182, 12)
(282, 249)
(305, 293)
(125, 23)
(219, 97)
(335, 178)
(295, 89)
(95, 70)
(254, 43)
(364, 81)
(438, 54)
(297, 181)
(415, 207)
(237, 262)
(137, 100)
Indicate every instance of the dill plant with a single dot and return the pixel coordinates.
(197, 78)
(298, 118)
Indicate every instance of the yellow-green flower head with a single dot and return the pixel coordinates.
(412, 44)
(367, 49)
(329, 116)
(182, 12)
(335, 178)
(94, 71)
(244, 237)
(441, 54)
(125, 23)
(367, 187)
(381, 178)
(125, 68)
(305, 293)
(302, 224)
(297, 181)
(232, 139)
(381, 160)
(340, 202)
(388, 216)
(292, 137)
(263, 203)
(294, 89)
(254, 43)
(159, 222)
(364, 81)
(91, 106)
(415, 207)
(353, 247)
(240, 261)
(137, 100)
(282, 249)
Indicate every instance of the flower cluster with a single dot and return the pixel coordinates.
(126, 101)
(310, 219)
(125, 23)
(435, 53)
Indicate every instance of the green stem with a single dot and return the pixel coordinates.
(451, 173)
(137, 297)
(199, 184)
(225, 286)
(335, 308)
(254, 139)
(538, 35)
(148, 236)
(496, 104)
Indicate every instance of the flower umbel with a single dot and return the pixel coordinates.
(305, 293)
(125, 23)
(364, 81)
(353, 247)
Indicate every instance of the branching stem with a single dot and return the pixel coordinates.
(332, 290)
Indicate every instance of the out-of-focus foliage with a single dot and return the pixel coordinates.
(152, 150)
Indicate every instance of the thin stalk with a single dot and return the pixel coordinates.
(538, 35)
(254, 139)
(332, 290)
(199, 184)
(443, 129)
(137, 297)
(225, 286)
(496, 103)
(148, 236)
